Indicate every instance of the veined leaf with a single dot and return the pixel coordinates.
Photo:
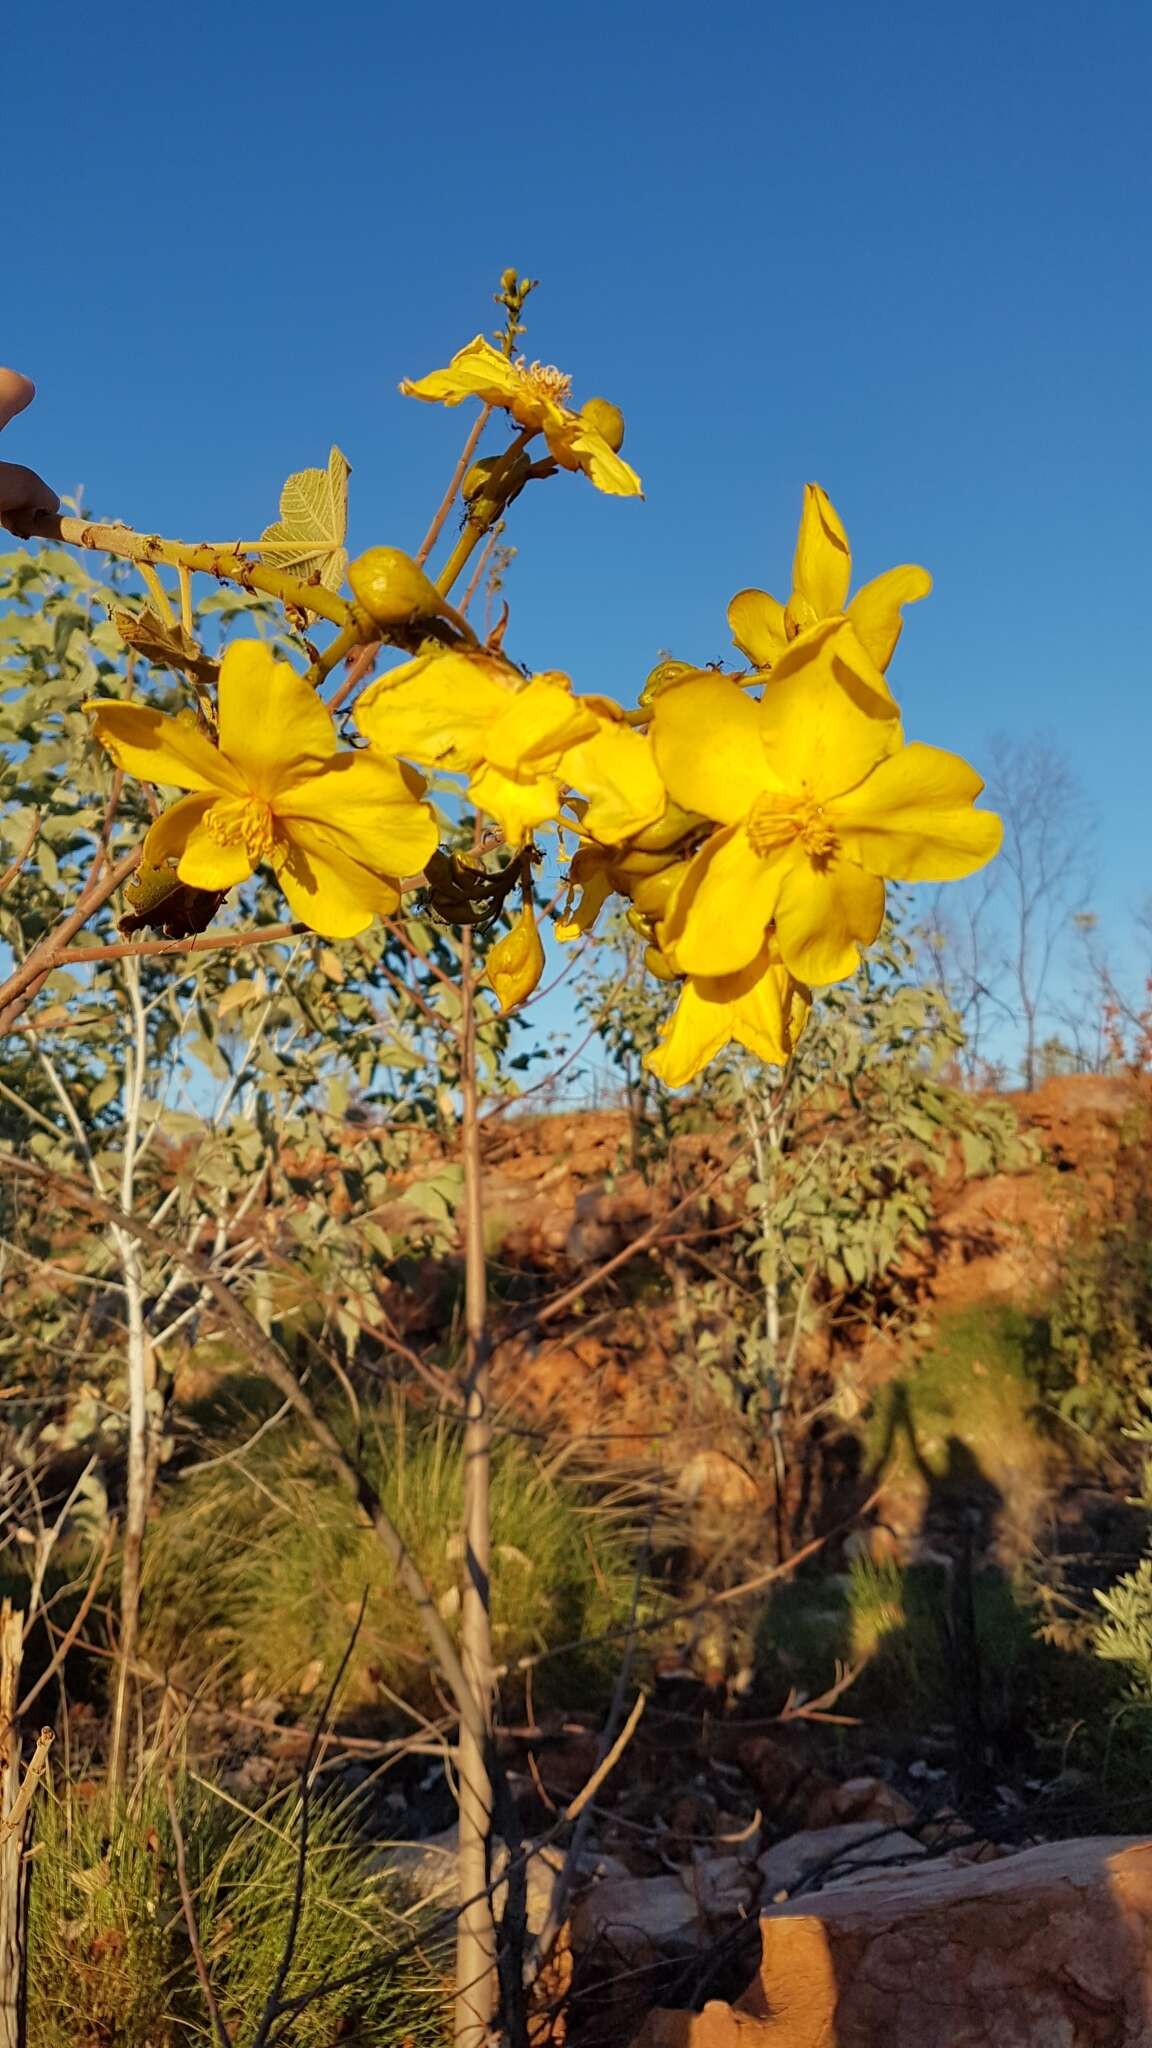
(167, 645)
(308, 537)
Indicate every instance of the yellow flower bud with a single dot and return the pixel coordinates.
(654, 893)
(516, 962)
(656, 964)
(477, 478)
(607, 419)
(509, 279)
(392, 588)
(665, 675)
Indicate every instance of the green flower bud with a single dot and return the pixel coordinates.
(607, 419)
(392, 588)
(477, 478)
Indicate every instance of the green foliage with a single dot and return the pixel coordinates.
(841, 1157)
(256, 1570)
(1125, 1638)
(1101, 1317)
(890, 1621)
(110, 1963)
(291, 1104)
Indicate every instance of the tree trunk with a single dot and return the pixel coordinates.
(142, 1462)
(477, 1983)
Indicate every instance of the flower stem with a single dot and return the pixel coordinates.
(458, 475)
(474, 530)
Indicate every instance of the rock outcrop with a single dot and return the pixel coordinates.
(1051, 1948)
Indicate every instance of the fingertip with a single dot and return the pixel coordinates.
(16, 392)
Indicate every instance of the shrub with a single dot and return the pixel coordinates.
(257, 1569)
(109, 1960)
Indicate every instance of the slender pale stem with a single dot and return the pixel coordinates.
(477, 576)
(458, 475)
(477, 1986)
(143, 1447)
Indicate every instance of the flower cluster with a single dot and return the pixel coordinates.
(749, 820)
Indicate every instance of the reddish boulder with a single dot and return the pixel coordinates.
(1048, 1949)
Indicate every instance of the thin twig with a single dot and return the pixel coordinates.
(24, 982)
(608, 1765)
(357, 670)
(37, 1764)
(220, 2031)
(14, 866)
(463, 465)
(655, 1233)
(271, 2012)
(71, 1634)
(199, 942)
(485, 556)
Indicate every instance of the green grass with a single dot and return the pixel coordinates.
(255, 1573)
(110, 1964)
(889, 1619)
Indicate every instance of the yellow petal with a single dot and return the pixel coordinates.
(172, 751)
(575, 444)
(271, 720)
(816, 730)
(876, 612)
(536, 724)
(769, 1017)
(476, 371)
(762, 1008)
(617, 769)
(167, 836)
(591, 873)
(437, 709)
(327, 890)
(366, 806)
(837, 641)
(912, 818)
(728, 895)
(518, 806)
(756, 623)
(216, 852)
(706, 737)
(696, 1031)
(824, 915)
(822, 568)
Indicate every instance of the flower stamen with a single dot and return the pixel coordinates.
(551, 383)
(776, 820)
(243, 821)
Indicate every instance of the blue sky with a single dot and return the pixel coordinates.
(901, 250)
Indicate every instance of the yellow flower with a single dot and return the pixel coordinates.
(522, 744)
(818, 800)
(645, 870)
(763, 628)
(336, 828)
(516, 962)
(762, 1007)
(536, 396)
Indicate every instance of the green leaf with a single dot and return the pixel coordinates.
(308, 537)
